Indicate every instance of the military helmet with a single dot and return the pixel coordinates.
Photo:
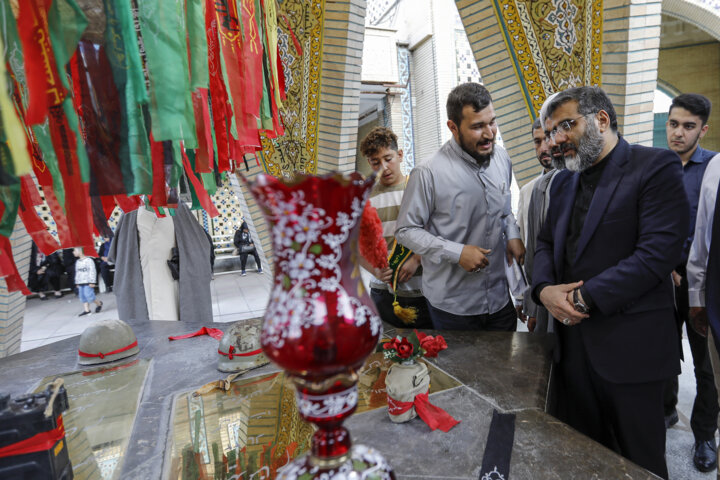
(240, 347)
(106, 341)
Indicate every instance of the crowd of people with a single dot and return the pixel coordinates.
(70, 270)
(616, 243)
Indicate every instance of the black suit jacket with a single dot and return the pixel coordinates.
(632, 236)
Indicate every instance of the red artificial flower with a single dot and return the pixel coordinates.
(431, 345)
(404, 348)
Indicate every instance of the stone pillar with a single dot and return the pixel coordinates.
(631, 41)
(343, 34)
(12, 304)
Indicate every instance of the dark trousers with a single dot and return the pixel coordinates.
(704, 417)
(243, 260)
(384, 303)
(627, 418)
(504, 320)
(107, 275)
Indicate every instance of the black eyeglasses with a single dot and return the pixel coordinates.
(565, 126)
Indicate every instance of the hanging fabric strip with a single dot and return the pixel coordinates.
(44, 85)
(159, 196)
(271, 50)
(33, 223)
(13, 130)
(128, 204)
(204, 133)
(252, 56)
(218, 91)
(8, 270)
(197, 40)
(77, 206)
(101, 115)
(296, 43)
(58, 214)
(165, 36)
(202, 194)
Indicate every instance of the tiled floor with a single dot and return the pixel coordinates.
(235, 297)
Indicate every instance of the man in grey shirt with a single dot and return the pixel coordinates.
(456, 214)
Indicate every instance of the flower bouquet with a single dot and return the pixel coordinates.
(408, 381)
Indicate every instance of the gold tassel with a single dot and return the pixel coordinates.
(408, 315)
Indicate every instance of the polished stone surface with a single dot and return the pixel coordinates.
(505, 371)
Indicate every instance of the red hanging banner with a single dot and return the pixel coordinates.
(44, 85)
(200, 191)
(204, 157)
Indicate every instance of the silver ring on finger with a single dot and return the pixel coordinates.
(566, 321)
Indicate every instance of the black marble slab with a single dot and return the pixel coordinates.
(504, 371)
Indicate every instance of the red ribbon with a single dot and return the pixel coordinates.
(231, 353)
(37, 443)
(434, 417)
(103, 355)
(8, 269)
(200, 191)
(216, 333)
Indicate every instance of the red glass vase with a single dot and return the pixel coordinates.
(320, 325)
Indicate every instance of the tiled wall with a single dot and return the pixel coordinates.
(12, 305)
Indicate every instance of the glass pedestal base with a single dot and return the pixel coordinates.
(362, 463)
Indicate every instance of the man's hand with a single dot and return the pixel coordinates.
(474, 258)
(409, 268)
(519, 309)
(531, 323)
(515, 249)
(104, 259)
(699, 320)
(677, 279)
(555, 299)
(92, 285)
(383, 274)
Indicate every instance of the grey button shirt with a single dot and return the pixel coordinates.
(451, 202)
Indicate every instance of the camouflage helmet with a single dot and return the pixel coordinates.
(240, 347)
(106, 341)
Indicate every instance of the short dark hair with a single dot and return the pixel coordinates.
(536, 124)
(466, 94)
(694, 103)
(590, 100)
(377, 139)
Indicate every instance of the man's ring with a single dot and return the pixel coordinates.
(566, 321)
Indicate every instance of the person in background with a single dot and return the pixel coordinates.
(685, 127)
(245, 246)
(69, 259)
(552, 162)
(85, 278)
(45, 272)
(380, 148)
(105, 269)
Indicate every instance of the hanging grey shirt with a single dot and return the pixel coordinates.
(451, 202)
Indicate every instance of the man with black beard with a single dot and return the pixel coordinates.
(616, 225)
(686, 125)
(551, 160)
(456, 214)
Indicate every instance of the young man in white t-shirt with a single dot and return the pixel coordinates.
(380, 148)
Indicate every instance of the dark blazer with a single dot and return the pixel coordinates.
(630, 242)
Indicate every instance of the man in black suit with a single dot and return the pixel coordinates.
(615, 227)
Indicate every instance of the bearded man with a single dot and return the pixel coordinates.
(616, 225)
(456, 214)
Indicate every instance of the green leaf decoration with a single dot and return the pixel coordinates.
(315, 249)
